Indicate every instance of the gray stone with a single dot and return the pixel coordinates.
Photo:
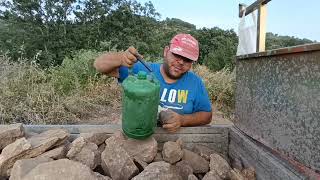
(145, 150)
(29, 134)
(158, 157)
(100, 150)
(220, 165)
(23, 166)
(11, 153)
(172, 152)
(9, 133)
(120, 137)
(211, 175)
(140, 164)
(97, 138)
(159, 171)
(46, 140)
(84, 152)
(61, 169)
(204, 151)
(116, 161)
(56, 153)
(235, 174)
(198, 164)
(102, 177)
(249, 173)
(192, 177)
(184, 169)
(31, 147)
(76, 146)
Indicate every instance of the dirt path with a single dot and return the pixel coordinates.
(217, 117)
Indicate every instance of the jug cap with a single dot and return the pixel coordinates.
(142, 75)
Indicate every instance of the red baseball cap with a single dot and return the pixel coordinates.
(185, 45)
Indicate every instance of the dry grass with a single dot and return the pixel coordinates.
(74, 94)
(220, 86)
(28, 95)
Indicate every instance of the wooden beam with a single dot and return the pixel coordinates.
(261, 28)
(252, 7)
(242, 7)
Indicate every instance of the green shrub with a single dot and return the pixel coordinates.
(75, 72)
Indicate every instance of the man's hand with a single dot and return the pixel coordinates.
(170, 120)
(109, 63)
(129, 57)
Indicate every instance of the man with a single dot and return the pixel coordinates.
(182, 92)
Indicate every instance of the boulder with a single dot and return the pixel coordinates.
(116, 161)
(159, 171)
(84, 152)
(172, 152)
(203, 151)
(11, 153)
(46, 140)
(235, 174)
(10, 133)
(198, 164)
(29, 134)
(145, 150)
(158, 157)
(211, 175)
(28, 148)
(100, 150)
(140, 164)
(24, 166)
(102, 177)
(249, 173)
(220, 165)
(62, 169)
(184, 169)
(192, 177)
(56, 153)
(95, 137)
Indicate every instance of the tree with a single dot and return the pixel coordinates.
(37, 27)
(217, 47)
(274, 41)
(52, 30)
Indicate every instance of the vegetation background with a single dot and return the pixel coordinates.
(47, 49)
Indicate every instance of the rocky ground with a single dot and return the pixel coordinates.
(53, 155)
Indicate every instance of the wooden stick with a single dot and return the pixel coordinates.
(261, 28)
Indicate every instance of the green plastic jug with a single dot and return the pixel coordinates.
(140, 100)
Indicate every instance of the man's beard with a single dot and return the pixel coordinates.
(167, 71)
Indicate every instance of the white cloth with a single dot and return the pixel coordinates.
(247, 35)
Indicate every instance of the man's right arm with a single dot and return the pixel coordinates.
(110, 62)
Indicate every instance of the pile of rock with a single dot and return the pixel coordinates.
(50, 155)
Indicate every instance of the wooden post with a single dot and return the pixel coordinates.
(261, 28)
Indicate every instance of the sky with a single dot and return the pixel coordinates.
(284, 17)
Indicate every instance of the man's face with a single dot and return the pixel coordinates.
(175, 66)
